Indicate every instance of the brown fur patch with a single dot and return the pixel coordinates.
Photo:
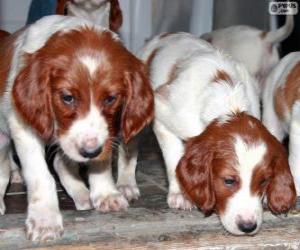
(222, 75)
(6, 53)
(3, 34)
(163, 90)
(286, 95)
(151, 58)
(263, 34)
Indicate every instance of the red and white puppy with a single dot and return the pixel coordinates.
(233, 161)
(281, 108)
(255, 48)
(66, 81)
(106, 13)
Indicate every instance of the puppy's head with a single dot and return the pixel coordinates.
(80, 89)
(231, 166)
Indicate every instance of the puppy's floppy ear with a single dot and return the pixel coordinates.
(194, 172)
(139, 107)
(115, 15)
(281, 192)
(32, 96)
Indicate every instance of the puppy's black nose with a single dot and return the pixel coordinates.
(90, 153)
(247, 227)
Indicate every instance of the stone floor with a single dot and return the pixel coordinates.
(148, 224)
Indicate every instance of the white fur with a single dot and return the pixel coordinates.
(245, 44)
(91, 128)
(193, 100)
(244, 206)
(44, 220)
(91, 63)
(291, 120)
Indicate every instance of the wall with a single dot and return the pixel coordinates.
(13, 14)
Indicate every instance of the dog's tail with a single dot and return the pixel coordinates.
(281, 33)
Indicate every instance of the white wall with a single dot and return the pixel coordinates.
(13, 14)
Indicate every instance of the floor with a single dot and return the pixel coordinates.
(148, 224)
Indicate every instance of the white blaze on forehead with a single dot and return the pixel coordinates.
(248, 156)
(90, 62)
(243, 205)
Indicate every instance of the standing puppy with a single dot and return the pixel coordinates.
(255, 48)
(207, 125)
(67, 81)
(281, 108)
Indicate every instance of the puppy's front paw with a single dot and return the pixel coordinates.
(110, 203)
(44, 225)
(179, 201)
(131, 192)
(82, 200)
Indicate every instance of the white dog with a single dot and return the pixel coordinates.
(281, 103)
(255, 48)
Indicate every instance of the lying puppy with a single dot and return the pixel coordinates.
(207, 125)
(106, 13)
(281, 113)
(69, 82)
(253, 47)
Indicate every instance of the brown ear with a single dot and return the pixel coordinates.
(31, 96)
(194, 173)
(115, 15)
(281, 192)
(139, 107)
(61, 7)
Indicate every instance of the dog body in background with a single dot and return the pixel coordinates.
(61, 84)
(281, 108)
(230, 160)
(106, 13)
(255, 48)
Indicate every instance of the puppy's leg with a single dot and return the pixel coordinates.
(68, 173)
(294, 146)
(15, 172)
(103, 192)
(172, 149)
(126, 170)
(4, 175)
(44, 221)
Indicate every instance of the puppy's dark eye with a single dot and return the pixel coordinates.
(229, 182)
(110, 100)
(68, 99)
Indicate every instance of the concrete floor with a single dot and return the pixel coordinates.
(148, 224)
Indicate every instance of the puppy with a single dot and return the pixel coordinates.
(61, 84)
(255, 48)
(281, 107)
(106, 13)
(218, 154)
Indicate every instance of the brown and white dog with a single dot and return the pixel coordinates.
(255, 48)
(106, 13)
(281, 108)
(67, 81)
(207, 125)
